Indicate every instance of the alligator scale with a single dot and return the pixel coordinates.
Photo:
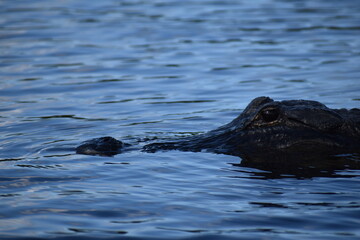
(264, 127)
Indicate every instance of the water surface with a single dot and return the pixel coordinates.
(71, 71)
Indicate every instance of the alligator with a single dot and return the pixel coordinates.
(265, 128)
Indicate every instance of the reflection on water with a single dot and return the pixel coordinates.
(302, 167)
(163, 69)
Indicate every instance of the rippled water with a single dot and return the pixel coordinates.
(73, 70)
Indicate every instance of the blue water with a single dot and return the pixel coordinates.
(74, 70)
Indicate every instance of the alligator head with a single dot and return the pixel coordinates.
(264, 127)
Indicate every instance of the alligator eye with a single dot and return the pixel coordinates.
(270, 114)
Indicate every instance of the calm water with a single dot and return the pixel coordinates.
(73, 70)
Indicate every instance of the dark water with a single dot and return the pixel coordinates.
(73, 70)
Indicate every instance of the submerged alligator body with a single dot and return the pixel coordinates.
(265, 127)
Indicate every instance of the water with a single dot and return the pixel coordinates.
(71, 71)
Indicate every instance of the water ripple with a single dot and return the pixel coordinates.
(157, 70)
